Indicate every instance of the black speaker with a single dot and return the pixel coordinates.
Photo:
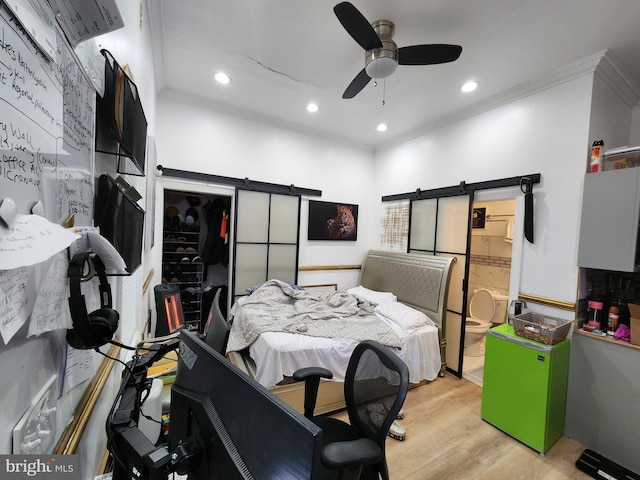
(90, 330)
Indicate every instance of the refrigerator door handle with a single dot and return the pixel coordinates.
(525, 343)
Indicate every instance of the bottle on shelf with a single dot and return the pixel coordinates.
(596, 156)
(612, 318)
(595, 315)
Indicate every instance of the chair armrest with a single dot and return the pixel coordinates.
(342, 455)
(304, 373)
(311, 377)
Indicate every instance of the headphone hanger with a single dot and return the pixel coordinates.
(90, 330)
(92, 268)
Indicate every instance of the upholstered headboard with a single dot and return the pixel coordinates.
(421, 281)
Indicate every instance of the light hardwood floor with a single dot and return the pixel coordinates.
(447, 439)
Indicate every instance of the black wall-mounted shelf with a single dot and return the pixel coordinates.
(121, 126)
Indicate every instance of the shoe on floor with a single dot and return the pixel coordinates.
(396, 430)
(382, 408)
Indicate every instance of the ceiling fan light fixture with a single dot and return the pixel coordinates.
(381, 67)
(382, 55)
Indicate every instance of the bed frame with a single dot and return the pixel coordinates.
(420, 281)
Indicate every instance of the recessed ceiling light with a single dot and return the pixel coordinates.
(468, 87)
(382, 127)
(222, 78)
(312, 107)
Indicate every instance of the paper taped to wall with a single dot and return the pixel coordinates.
(32, 239)
(17, 295)
(51, 308)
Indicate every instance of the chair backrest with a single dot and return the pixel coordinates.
(216, 329)
(375, 388)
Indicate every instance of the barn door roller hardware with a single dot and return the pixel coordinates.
(525, 182)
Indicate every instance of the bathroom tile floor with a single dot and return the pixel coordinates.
(473, 369)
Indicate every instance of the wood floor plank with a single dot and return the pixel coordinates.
(447, 439)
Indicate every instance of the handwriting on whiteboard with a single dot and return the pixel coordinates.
(46, 126)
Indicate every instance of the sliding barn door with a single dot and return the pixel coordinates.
(266, 239)
(441, 226)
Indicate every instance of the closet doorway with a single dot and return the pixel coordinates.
(259, 228)
(196, 249)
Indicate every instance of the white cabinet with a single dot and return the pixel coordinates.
(609, 222)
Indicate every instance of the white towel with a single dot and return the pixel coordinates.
(508, 236)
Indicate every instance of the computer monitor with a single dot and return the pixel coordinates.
(242, 429)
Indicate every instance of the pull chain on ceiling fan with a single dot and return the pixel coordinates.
(382, 55)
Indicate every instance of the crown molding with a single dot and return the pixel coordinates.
(611, 71)
(586, 66)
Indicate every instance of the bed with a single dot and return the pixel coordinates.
(418, 281)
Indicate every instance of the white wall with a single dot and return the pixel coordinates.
(544, 133)
(29, 362)
(197, 139)
(131, 46)
(548, 132)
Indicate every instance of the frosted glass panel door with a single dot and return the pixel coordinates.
(266, 240)
(285, 218)
(423, 222)
(250, 265)
(453, 239)
(253, 221)
(283, 262)
(440, 226)
(453, 224)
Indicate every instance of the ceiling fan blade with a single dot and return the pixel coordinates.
(357, 26)
(357, 84)
(428, 54)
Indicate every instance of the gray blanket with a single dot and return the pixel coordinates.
(277, 307)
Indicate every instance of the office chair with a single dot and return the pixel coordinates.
(375, 387)
(216, 330)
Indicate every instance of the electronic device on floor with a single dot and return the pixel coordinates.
(597, 466)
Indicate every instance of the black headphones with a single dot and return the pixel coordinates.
(96, 328)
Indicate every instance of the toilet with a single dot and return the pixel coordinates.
(486, 308)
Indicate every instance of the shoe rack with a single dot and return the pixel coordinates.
(182, 265)
(181, 262)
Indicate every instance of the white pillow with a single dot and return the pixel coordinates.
(403, 315)
(372, 296)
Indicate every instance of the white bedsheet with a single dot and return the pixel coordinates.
(278, 355)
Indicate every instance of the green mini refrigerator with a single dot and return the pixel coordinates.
(524, 388)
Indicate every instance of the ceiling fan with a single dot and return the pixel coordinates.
(382, 54)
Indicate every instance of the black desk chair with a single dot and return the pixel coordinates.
(216, 331)
(375, 388)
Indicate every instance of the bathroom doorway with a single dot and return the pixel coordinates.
(489, 268)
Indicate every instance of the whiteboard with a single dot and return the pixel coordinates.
(46, 127)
